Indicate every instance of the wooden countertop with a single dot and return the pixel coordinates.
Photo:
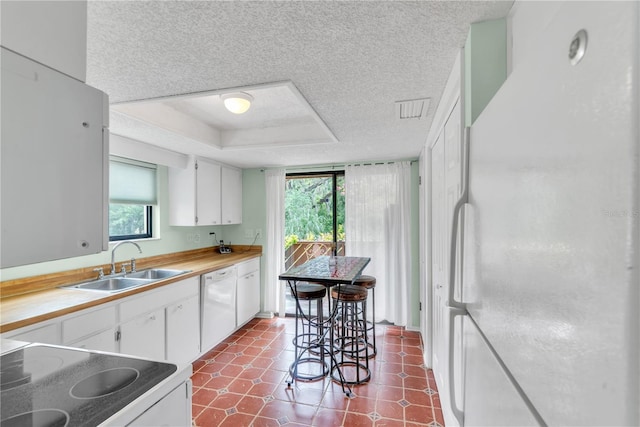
(30, 300)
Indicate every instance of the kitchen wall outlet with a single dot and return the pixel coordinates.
(193, 237)
(248, 233)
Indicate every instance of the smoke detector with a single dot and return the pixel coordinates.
(412, 108)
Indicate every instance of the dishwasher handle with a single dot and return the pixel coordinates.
(219, 275)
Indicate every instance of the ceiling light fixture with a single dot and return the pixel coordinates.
(237, 102)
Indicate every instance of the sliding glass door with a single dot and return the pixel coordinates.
(314, 219)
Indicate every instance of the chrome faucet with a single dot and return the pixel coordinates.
(113, 253)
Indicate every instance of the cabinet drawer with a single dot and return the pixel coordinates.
(248, 266)
(46, 334)
(152, 300)
(103, 341)
(88, 323)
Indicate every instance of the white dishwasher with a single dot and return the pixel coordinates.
(218, 290)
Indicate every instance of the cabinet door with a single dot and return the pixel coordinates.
(231, 196)
(208, 193)
(144, 336)
(182, 195)
(248, 297)
(183, 330)
(53, 165)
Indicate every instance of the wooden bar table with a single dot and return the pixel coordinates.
(329, 271)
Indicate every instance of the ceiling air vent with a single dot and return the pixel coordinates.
(413, 108)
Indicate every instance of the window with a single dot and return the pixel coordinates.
(132, 195)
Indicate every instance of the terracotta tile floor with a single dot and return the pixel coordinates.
(242, 382)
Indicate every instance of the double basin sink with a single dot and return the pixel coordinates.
(122, 282)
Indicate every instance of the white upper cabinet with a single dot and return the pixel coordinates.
(194, 194)
(205, 193)
(54, 164)
(231, 195)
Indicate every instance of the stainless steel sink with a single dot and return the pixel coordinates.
(111, 284)
(156, 273)
(123, 282)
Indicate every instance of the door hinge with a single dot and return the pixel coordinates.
(196, 165)
(420, 305)
(196, 220)
(118, 335)
(419, 180)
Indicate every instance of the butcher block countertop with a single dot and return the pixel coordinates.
(30, 300)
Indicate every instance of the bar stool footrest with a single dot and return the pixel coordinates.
(350, 373)
(306, 375)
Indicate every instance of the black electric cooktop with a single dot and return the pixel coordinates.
(44, 385)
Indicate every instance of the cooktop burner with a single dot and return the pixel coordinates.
(104, 383)
(52, 386)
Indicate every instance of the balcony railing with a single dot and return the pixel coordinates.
(303, 251)
(298, 254)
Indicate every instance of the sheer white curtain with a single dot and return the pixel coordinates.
(377, 225)
(275, 187)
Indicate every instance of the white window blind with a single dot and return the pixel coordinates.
(132, 182)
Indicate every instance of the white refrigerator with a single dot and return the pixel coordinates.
(550, 284)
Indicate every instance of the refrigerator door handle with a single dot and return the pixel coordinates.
(458, 413)
(464, 197)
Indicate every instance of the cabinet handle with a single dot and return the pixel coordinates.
(118, 335)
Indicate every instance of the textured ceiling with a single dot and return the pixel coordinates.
(350, 60)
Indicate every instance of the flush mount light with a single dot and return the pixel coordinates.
(238, 102)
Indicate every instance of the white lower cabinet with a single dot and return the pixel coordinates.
(248, 300)
(144, 336)
(183, 330)
(163, 324)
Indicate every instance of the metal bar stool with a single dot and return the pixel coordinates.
(311, 339)
(351, 334)
(369, 282)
